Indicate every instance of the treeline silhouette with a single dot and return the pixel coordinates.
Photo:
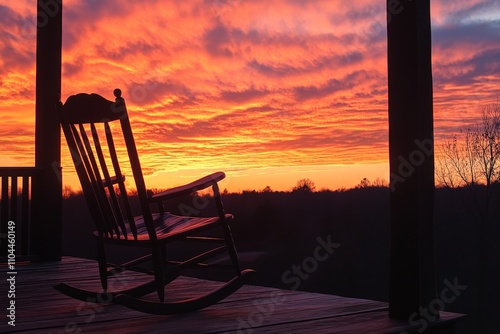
(277, 233)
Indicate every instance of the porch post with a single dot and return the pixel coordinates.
(411, 153)
(46, 226)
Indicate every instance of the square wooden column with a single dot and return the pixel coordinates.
(411, 151)
(46, 228)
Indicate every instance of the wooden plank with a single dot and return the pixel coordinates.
(17, 171)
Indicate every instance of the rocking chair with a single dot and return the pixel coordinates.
(88, 122)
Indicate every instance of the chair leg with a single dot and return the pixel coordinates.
(159, 269)
(103, 268)
(231, 248)
(228, 236)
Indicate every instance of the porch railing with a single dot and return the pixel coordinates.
(15, 210)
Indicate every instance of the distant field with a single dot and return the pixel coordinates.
(338, 242)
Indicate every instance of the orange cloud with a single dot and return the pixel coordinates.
(238, 85)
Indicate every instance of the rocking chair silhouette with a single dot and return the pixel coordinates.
(88, 121)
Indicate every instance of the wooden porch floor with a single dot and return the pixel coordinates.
(252, 309)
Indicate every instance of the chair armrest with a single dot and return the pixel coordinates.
(189, 188)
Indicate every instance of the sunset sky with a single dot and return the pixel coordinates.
(268, 91)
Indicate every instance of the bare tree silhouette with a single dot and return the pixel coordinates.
(472, 157)
(364, 183)
(378, 183)
(305, 185)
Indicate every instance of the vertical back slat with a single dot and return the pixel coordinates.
(121, 184)
(98, 184)
(109, 185)
(86, 175)
(137, 172)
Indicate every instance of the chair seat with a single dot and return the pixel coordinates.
(167, 226)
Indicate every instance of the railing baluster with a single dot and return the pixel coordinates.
(25, 211)
(4, 215)
(15, 199)
(5, 197)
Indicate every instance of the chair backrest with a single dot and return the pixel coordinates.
(88, 122)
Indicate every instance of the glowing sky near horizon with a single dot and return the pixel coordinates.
(268, 91)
